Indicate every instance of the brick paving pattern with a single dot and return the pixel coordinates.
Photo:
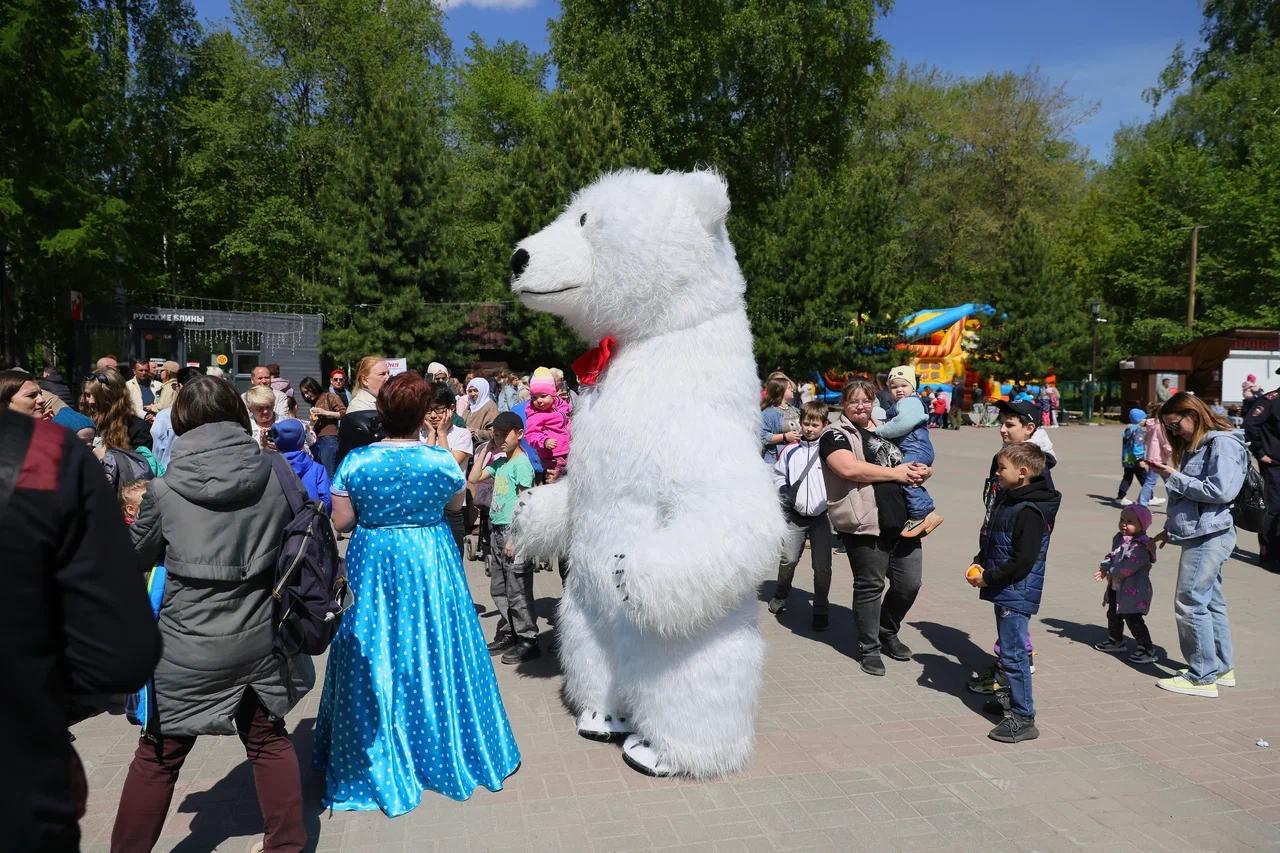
(846, 761)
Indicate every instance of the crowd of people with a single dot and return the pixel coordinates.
(410, 466)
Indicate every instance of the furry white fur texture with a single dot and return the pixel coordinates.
(669, 515)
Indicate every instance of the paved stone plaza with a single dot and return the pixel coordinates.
(846, 761)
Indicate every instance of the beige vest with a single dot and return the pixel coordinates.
(850, 506)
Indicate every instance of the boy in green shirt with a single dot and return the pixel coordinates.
(510, 584)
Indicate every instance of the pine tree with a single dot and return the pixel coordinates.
(386, 205)
(1036, 311)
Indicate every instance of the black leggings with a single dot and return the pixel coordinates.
(1115, 623)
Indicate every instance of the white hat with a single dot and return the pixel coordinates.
(906, 373)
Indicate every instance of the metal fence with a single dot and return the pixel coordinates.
(1074, 391)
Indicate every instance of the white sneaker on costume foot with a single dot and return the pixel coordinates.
(641, 757)
(594, 725)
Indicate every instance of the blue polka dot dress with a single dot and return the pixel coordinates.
(410, 700)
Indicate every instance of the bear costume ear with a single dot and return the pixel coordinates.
(709, 195)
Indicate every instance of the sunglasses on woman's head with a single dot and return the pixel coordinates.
(100, 377)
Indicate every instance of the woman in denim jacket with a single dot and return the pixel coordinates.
(1210, 459)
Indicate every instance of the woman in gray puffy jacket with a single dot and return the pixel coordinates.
(217, 518)
(1209, 465)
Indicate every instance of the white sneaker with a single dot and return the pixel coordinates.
(1126, 502)
(1156, 501)
(1227, 679)
(641, 756)
(1179, 684)
(595, 725)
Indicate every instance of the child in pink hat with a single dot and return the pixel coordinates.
(547, 423)
(1127, 572)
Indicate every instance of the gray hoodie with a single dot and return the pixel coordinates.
(217, 517)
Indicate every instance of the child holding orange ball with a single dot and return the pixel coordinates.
(1012, 548)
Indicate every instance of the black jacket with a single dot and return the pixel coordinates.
(57, 386)
(139, 433)
(76, 622)
(357, 429)
(1262, 425)
(1026, 530)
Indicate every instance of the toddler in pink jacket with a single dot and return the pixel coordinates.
(547, 423)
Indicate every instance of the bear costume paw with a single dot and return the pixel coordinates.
(599, 726)
(542, 522)
(640, 756)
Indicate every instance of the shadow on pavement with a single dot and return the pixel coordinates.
(230, 808)
(798, 619)
(1090, 634)
(940, 672)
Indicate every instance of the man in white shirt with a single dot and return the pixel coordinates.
(262, 376)
(143, 390)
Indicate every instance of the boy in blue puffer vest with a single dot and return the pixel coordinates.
(1009, 569)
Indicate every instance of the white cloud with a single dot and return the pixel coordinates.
(503, 5)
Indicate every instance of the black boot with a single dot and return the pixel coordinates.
(501, 644)
(1015, 729)
(522, 651)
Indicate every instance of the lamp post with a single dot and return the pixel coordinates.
(1095, 319)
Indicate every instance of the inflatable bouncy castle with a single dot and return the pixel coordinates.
(940, 340)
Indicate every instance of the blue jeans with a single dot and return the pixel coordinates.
(919, 501)
(1199, 608)
(1011, 628)
(1149, 481)
(326, 453)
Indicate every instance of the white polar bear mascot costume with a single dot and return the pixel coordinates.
(669, 515)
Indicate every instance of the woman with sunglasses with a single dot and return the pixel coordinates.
(1208, 468)
(105, 399)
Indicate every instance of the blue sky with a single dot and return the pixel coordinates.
(1105, 51)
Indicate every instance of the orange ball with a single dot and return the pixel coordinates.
(974, 572)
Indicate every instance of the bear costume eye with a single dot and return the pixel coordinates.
(582, 220)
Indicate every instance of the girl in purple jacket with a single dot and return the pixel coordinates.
(1127, 572)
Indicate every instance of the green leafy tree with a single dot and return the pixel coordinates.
(245, 228)
(812, 287)
(1035, 319)
(384, 252)
(58, 225)
(750, 87)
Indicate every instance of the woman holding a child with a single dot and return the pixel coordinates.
(864, 479)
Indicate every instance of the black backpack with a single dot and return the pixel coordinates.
(125, 466)
(1249, 507)
(310, 589)
(1249, 511)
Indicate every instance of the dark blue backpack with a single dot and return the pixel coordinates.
(310, 591)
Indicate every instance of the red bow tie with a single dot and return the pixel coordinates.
(588, 366)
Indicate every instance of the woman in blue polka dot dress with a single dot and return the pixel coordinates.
(410, 700)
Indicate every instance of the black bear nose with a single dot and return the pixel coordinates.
(519, 261)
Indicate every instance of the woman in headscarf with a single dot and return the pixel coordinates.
(481, 410)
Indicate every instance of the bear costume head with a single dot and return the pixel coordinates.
(634, 254)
